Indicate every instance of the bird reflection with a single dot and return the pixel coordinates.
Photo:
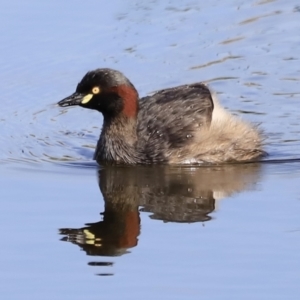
(170, 194)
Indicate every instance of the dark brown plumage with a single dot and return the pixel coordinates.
(180, 125)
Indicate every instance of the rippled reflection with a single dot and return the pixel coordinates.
(170, 194)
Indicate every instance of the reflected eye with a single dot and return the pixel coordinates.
(96, 90)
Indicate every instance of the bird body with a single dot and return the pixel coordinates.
(180, 125)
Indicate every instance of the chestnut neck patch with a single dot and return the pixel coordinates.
(130, 99)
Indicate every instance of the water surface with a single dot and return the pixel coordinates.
(71, 230)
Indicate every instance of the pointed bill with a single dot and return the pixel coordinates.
(75, 99)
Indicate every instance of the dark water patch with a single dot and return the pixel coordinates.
(291, 94)
(255, 19)
(281, 161)
(215, 62)
(291, 79)
(80, 164)
(297, 8)
(250, 112)
(232, 40)
(262, 2)
(220, 79)
(100, 264)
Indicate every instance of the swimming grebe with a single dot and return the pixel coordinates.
(179, 125)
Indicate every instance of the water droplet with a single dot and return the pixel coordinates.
(188, 136)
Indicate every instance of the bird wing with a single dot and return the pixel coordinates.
(172, 116)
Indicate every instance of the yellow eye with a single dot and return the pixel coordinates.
(96, 90)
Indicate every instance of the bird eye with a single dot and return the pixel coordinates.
(96, 90)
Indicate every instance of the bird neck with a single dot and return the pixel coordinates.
(121, 127)
(118, 141)
(130, 98)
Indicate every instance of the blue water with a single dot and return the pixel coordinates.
(72, 231)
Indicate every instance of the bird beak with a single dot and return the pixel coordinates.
(75, 99)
